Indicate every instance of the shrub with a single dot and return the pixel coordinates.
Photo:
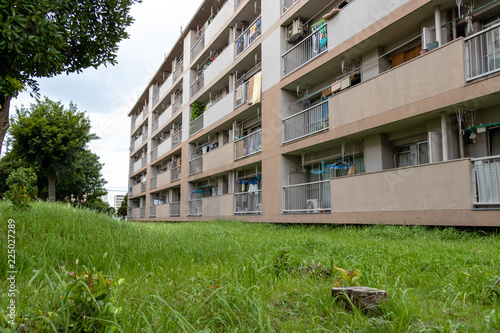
(22, 188)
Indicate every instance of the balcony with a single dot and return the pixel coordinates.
(196, 165)
(237, 3)
(198, 46)
(135, 189)
(152, 211)
(482, 53)
(218, 157)
(144, 161)
(143, 187)
(156, 97)
(220, 205)
(219, 20)
(176, 173)
(304, 123)
(153, 183)
(177, 104)
(163, 178)
(219, 64)
(248, 37)
(248, 203)
(175, 209)
(218, 110)
(142, 212)
(166, 85)
(136, 166)
(311, 197)
(196, 125)
(165, 146)
(178, 69)
(248, 145)
(176, 138)
(197, 85)
(487, 181)
(135, 213)
(165, 116)
(195, 207)
(286, 5)
(306, 50)
(154, 154)
(154, 126)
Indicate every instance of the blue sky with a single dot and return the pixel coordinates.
(108, 93)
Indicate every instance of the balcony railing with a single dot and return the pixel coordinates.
(195, 207)
(307, 198)
(482, 51)
(237, 3)
(196, 125)
(248, 145)
(152, 211)
(304, 123)
(198, 46)
(145, 135)
(241, 94)
(487, 178)
(286, 5)
(176, 138)
(177, 104)
(156, 97)
(178, 69)
(196, 165)
(176, 174)
(249, 36)
(153, 183)
(144, 161)
(306, 50)
(143, 187)
(175, 209)
(142, 212)
(154, 154)
(248, 203)
(197, 85)
(154, 127)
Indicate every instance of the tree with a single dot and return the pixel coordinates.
(53, 140)
(45, 38)
(22, 188)
(122, 210)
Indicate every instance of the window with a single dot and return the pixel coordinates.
(413, 154)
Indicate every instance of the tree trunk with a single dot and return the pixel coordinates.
(52, 185)
(4, 118)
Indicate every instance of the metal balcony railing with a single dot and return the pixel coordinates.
(152, 211)
(307, 198)
(196, 165)
(154, 154)
(306, 50)
(143, 187)
(248, 37)
(156, 97)
(198, 46)
(178, 69)
(132, 146)
(248, 145)
(153, 182)
(177, 104)
(237, 3)
(482, 53)
(144, 161)
(145, 134)
(154, 127)
(197, 85)
(248, 203)
(241, 94)
(142, 212)
(195, 207)
(175, 174)
(175, 209)
(487, 181)
(176, 138)
(286, 5)
(304, 123)
(196, 125)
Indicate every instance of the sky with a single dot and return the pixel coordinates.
(108, 93)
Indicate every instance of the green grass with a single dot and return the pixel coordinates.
(220, 276)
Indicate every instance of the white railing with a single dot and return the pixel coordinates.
(153, 182)
(175, 209)
(248, 36)
(248, 202)
(286, 5)
(144, 161)
(145, 135)
(142, 212)
(305, 51)
(177, 138)
(304, 123)
(197, 85)
(177, 104)
(311, 197)
(176, 174)
(154, 127)
(482, 53)
(165, 116)
(196, 125)
(152, 211)
(196, 165)
(195, 207)
(248, 145)
(487, 180)
(178, 70)
(154, 154)
(156, 97)
(198, 46)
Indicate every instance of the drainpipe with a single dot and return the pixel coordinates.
(437, 19)
(444, 136)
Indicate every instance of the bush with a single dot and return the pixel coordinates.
(22, 188)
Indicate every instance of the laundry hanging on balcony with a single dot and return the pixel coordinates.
(256, 88)
(339, 165)
(319, 171)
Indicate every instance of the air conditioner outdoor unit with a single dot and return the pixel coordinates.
(312, 205)
(295, 30)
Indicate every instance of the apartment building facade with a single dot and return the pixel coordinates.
(309, 111)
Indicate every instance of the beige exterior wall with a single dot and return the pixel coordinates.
(430, 187)
(221, 205)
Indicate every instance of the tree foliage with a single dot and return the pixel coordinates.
(22, 188)
(45, 38)
(53, 141)
(122, 210)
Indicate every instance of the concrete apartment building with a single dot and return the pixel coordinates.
(324, 112)
(118, 201)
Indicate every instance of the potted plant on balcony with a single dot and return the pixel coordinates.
(196, 110)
